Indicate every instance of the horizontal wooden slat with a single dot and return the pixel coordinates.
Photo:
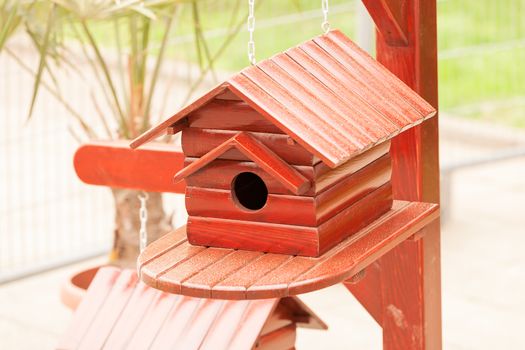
(115, 164)
(256, 151)
(197, 142)
(298, 274)
(236, 234)
(212, 203)
(220, 173)
(230, 115)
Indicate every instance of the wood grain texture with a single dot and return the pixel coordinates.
(268, 161)
(197, 142)
(220, 173)
(114, 164)
(410, 274)
(231, 115)
(291, 275)
(280, 339)
(394, 30)
(307, 211)
(118, 312)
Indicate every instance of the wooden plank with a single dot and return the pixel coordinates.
(88, 309)
(200, 284)
(129, 320)
(260, 154)
(154, 321)
(196, 329)
(175, 323)
(408, 113)
(308, 211)
(354, 217)
(225, 327)
(354, 257)
(197, 142)
(114, 164)
(231, 115)
(238, 282)
(151, 271)
(340, 105)
(311, 100)
(410, 275)
(159, 129)
(289, 122)
(297, 274)
(352, 188)
(393, 30)
(361, 57)
(366, 291)
(389, 115)
(275, 238)
(110, 311)
(157, 248)
(252, 323)
(187, 269)
(281, 339)
(220, 173)
(203, 202)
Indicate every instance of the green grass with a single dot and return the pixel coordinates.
(470, 78)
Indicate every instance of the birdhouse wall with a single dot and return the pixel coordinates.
(196, 142)
(292, 209)
(340, 202)
(230, 115)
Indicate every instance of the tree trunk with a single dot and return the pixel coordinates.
(127, 224)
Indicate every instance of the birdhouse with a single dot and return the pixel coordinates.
(291, 155)
(118, 312)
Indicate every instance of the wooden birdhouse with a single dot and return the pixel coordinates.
(291, 155)
(119, 312)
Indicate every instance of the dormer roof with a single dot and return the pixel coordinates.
(327, 94)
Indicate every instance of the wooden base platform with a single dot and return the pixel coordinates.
(173, 265)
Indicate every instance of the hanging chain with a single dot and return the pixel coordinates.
(325, 25)
(251, 29)
(143, 216)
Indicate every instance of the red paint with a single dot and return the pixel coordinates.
(119, 312)
(114, 164)
(284, 275)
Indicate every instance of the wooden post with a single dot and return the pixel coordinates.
(406, 281)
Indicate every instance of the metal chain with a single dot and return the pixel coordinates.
(325, 25)
(251, 29)
(143, 216)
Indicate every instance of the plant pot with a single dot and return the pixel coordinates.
(74, 289)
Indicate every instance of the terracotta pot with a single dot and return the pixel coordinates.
(72, 292)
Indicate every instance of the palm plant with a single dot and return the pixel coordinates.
(126, 85)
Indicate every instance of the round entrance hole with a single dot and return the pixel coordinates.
(249, 191)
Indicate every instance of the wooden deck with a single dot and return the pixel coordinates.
(173, 265)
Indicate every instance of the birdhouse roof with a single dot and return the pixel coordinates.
(119, 312)
(328, 94)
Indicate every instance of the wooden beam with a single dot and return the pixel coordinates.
(114, 164)
(393, 28)
(409, 298)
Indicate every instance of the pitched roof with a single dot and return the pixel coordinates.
(260, 154)
(118, 312)
(327, 94)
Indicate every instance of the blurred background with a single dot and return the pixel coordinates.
(72, 70)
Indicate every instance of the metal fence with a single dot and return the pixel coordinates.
(48, 218)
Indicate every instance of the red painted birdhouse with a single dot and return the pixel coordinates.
(291, 155)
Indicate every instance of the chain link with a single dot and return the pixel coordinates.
(251, 29)
(325, 25)
(143, 216)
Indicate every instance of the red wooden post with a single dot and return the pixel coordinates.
(408, 305)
